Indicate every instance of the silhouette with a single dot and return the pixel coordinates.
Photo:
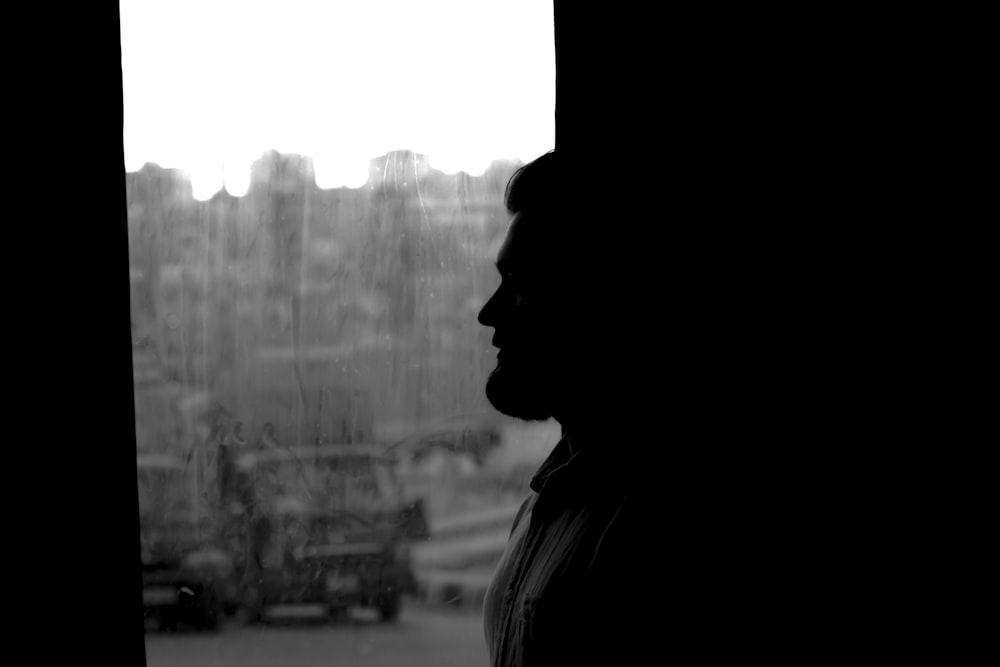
(567, 583)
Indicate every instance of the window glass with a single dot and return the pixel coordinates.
(315, 201)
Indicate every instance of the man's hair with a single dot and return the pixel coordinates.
(553, 184)
(536, 185)
(547, 191)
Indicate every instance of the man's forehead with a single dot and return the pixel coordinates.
(528, 254)
(512, 251)
(504, 259)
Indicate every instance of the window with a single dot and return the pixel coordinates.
(314, 197)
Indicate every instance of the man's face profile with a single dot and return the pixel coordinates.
(524, 382)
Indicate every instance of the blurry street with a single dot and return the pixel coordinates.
(420, 637)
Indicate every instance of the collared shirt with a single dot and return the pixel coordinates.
(568, 583)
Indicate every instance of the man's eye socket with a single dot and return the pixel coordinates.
(511, 287)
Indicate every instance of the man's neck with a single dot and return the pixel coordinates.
(582, 434)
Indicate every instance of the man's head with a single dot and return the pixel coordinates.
(543, 312)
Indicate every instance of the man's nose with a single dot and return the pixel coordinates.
(486, 312)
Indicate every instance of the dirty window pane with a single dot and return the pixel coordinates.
(317, 463)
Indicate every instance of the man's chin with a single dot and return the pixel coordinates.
(517, 396)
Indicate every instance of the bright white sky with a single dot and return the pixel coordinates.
(210, 85)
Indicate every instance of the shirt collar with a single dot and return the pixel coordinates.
(580, 471)
(558, 459)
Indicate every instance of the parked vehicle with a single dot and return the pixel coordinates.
(329, 525)
(187, 578)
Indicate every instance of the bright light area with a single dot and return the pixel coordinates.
(210, 85)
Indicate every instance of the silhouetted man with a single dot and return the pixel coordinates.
(576, 574)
